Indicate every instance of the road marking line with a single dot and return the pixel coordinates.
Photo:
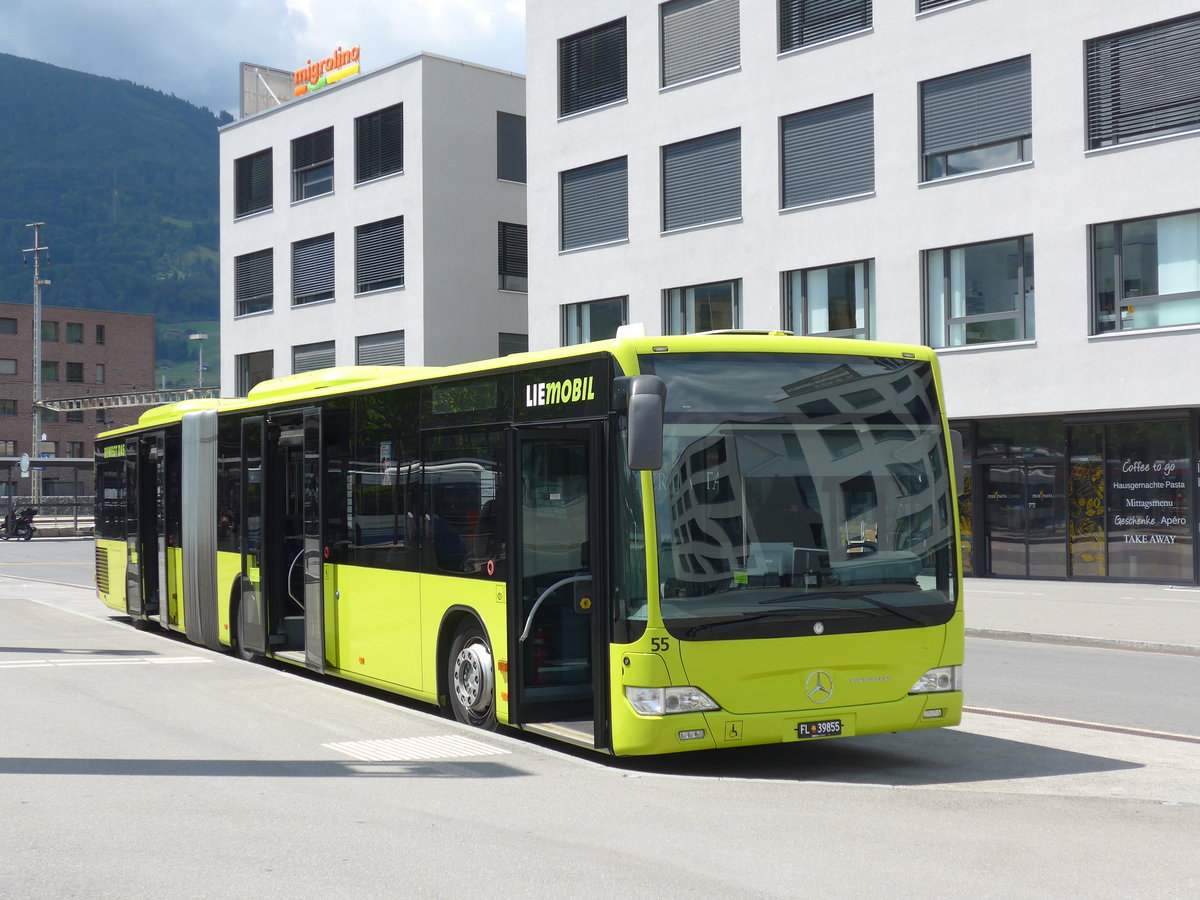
(448, 746)
(102, 661)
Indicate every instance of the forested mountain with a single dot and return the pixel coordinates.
(125, 180)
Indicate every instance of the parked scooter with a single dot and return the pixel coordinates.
(18, 526)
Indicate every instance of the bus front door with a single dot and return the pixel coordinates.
(557, 625)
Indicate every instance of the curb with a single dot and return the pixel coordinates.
(1081, 641)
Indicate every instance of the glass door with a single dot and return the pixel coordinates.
(559, 612)
(1025, 520)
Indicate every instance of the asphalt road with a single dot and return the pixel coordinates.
(134, 764)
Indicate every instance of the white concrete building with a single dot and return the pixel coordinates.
(377, 220)
(899, 169)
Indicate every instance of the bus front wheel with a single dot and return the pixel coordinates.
(471, 678)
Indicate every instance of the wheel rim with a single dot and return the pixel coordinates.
(473, 677)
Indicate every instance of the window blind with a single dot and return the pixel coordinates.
(312, 270)
(310, 357)
(828, 152)
(591, 68)
(379, 143)
(379, 255)
(595, 204)
(254, 276)
(702, 180)
(976, 108)
(386, 349)
(252, 189)
(803, 22)
(698, 37)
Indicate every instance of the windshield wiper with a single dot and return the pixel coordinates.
(726, 624)
(879, 604)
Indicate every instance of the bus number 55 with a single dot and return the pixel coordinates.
(660, 645)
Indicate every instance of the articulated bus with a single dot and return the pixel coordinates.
(642, 545)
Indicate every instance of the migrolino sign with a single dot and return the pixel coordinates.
(316, 75)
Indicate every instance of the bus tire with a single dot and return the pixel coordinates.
(471, 677)
(238, 648)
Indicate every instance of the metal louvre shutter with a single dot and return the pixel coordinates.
(803, 22)
(309, 357)
(312, 149)
(253, 279)
(698, 37)
(923, 5)
(1144, 82)
(595, 204)
(385, 349)
(379, 255)
(379, 143)
(513, 249)
(312, 269)
(591, 68)
(972, 109)
(253, 189)
(702, 180)
(829, 152)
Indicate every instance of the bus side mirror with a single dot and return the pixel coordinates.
(958, 461)
(642, 399)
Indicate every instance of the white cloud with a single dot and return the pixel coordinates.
(192, 49)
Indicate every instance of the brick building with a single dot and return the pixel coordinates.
(84, 353)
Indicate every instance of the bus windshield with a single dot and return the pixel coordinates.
(801, 493)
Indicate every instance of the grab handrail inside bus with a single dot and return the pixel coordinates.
(570, 579)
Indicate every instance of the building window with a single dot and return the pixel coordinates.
(254, 282)
(703, 307)
(50, 416)
(312, 270)
(312, 164)
(253, 368)
(379, 143)
(75, 449)
(699, 37)
(75, 372)
(976, 120)
(8, 367)
(512, 343)
(386, 349)
(49, 332)
(1146, 273)
(804, 22)
(981, 293)
(49, 371)
(310, 357)
(8, 407)
(510, 147)
(1144, 82)
(596, 320)
(75, 415)
(591, 68)
(252, 183)
(8, 325)
(379, 255)
(74, 332)
(99, 373)
(923, 5)
(834, 301)
(7, 448)
(594, 204)
(828, 152)
(99, 334)
(702, 180)
(513, 253)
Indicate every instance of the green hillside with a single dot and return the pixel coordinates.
(125, 180)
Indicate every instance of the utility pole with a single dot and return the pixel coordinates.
(35, 475)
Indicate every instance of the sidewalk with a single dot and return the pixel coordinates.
(1158, 618)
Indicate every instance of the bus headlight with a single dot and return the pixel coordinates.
(939, 680)
(668, 701)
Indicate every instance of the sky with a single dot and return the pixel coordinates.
(192, 48)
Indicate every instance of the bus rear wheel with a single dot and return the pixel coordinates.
(471, 678)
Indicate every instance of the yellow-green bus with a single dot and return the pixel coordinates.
(643, 545)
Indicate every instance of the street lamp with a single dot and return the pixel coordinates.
(197, 336)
